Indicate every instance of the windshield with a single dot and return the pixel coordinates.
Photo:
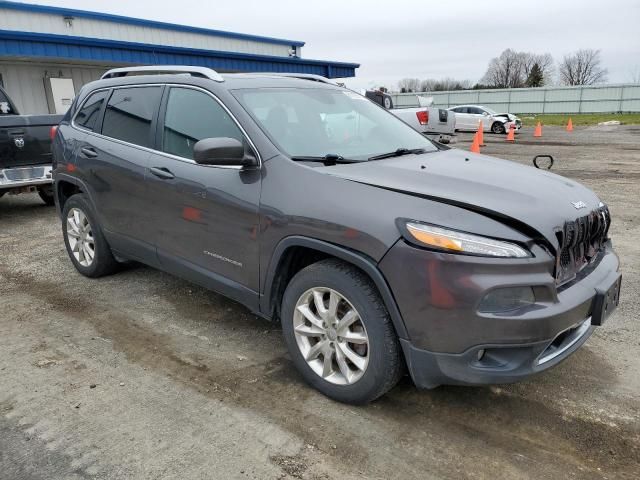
(490, 111)
(310, 122)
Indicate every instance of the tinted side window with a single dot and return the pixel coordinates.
(88, 115)
(460, 110)
(474, 110)
(191, 116)
(5, 106)
(129, 114)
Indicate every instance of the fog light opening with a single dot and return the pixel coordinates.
(506, 299)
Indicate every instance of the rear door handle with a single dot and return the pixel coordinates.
(89, 152)
(163, 173)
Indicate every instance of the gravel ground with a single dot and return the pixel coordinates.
(141, 375)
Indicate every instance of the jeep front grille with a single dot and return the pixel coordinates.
(580, 243)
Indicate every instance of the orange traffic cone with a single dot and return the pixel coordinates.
(569, 125)
(475, 145)
(511, 136)
(538, 131)
(480, 133)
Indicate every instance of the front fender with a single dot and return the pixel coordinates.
(364, 263)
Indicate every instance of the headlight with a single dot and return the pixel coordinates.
(459, 242)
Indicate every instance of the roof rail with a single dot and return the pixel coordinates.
(301, 76)
(164, 69)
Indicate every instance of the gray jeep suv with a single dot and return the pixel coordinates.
(378, 250)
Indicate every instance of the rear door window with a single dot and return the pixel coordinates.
(191, 116)
(129, 114)
(88, 115)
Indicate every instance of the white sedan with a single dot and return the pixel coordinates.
(468, 117)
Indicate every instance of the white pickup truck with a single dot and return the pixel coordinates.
(436, 123)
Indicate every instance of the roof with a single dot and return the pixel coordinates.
(45, 45)
(70, 12)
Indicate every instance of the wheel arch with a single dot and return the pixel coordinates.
(66, 186)
(286, 262)
(498, 121)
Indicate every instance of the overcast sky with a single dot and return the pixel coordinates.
(407, 38)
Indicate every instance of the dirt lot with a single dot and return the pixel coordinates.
(141, 375)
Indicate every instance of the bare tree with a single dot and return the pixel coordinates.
(545, 64)
(445, 84)
(407, 85)
(582, 68)
(505, 71)
(512, 69)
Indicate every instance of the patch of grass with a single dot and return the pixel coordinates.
(580, 118)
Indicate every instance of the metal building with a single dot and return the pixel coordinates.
(48, 53)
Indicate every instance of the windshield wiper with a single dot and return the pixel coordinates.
(328, 159)
(398, 153)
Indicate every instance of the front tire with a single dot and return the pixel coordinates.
(87, 248)
(339, 333)
(498, 128)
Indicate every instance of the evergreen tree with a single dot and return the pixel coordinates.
(536, 77)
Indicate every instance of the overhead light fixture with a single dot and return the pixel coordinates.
(68, 21)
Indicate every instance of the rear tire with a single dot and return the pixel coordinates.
(87, 248)
(46, 194)
(498, 128)
(364, 357)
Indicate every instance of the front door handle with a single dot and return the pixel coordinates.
(89, 152)
(163, 173)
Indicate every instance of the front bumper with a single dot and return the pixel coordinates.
(450, 342)
(498, 364)
(20, 177)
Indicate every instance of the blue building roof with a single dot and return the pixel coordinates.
(54, 46)
(44, 45)
(70, 12)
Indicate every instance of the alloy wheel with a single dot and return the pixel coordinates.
(80, 236)
(331, 336)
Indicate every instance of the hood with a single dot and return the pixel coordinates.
(508, 116)
(536, 202)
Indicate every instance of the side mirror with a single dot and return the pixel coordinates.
(222, 151)
(486, 114)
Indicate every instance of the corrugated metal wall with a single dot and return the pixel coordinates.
(587, 99)
(24, 82)
(94, 28)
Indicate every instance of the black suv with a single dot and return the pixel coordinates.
(377, 249)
